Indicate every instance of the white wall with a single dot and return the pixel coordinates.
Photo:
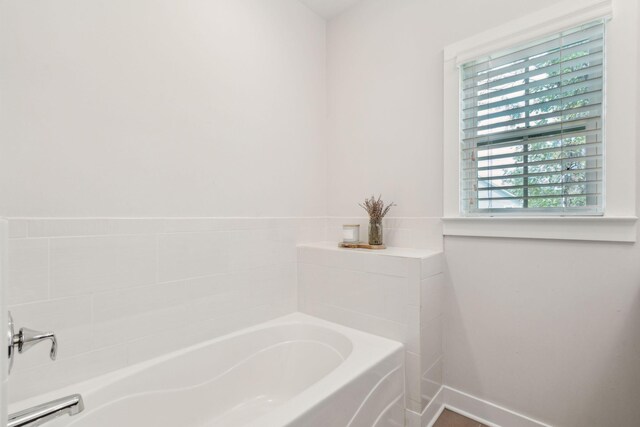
(162, 108)
(549, 329)
(385, 98)
(545, 328)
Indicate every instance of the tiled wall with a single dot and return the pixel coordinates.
(119, 291)
(395, 294)
(3, 320)
(432, 297)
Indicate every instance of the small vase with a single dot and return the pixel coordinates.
(375, 233)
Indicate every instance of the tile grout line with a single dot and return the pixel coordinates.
(48, 269)
(157, 245)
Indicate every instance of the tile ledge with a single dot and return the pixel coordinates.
(391, 251)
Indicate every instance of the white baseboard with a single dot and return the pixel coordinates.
(429, 414)
(477, 409)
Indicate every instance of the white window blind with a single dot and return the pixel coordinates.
(532, 127)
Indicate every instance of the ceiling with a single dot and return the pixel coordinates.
(329, 8)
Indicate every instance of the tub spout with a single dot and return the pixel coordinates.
(38, 415)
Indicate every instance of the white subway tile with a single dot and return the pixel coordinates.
(432, 380)
(364, 322)
(432, 297)
(17, 228)
(74, 227)
(89, 264)
(175, 338)
(249, 249)
(119, 330)
(217, 305)
(412, 338)
(412, 376)
(286, 252)
(359, 292)
(28, 272)
(67, 227)
(186, 255)
(233, 224)
(431, 345)
(181, 225)
(307, 255)
(413, 405)
(286, 306)
(122, 303)
(345, 259)
(209, 285)
(413, 282)
(401, 238)
(310, 230)
(432, 265)
(128, 226)
(162, 342)
(387, 265)
(394, 292)
(313, 281)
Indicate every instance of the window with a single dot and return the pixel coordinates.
(532, 127)
(554, 137)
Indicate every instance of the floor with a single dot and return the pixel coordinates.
(451, 419)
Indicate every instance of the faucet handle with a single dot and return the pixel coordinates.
(27, 338)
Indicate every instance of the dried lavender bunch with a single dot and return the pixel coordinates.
(375, 208)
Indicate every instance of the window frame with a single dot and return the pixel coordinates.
(618, 221)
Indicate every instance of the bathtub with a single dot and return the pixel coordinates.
(293, 371)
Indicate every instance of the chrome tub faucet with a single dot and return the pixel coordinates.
(38, 415)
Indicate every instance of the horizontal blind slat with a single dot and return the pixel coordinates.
(547, 129)
(544, 45)
(593, 56)
(591, 53)
(560, 149)
(536, 163)
(594, 82)
(593, 97)
(550, 196)
(518, 187)
(556, 136)
(560, 114)
(471, 96)
(536, 174)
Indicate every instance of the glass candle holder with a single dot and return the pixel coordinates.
(351, 233)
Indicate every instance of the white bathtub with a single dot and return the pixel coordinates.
(294, 371)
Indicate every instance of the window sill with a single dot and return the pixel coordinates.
(607, 229)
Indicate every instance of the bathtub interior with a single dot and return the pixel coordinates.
(232, 396)
(198, 365)
(258, 374)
